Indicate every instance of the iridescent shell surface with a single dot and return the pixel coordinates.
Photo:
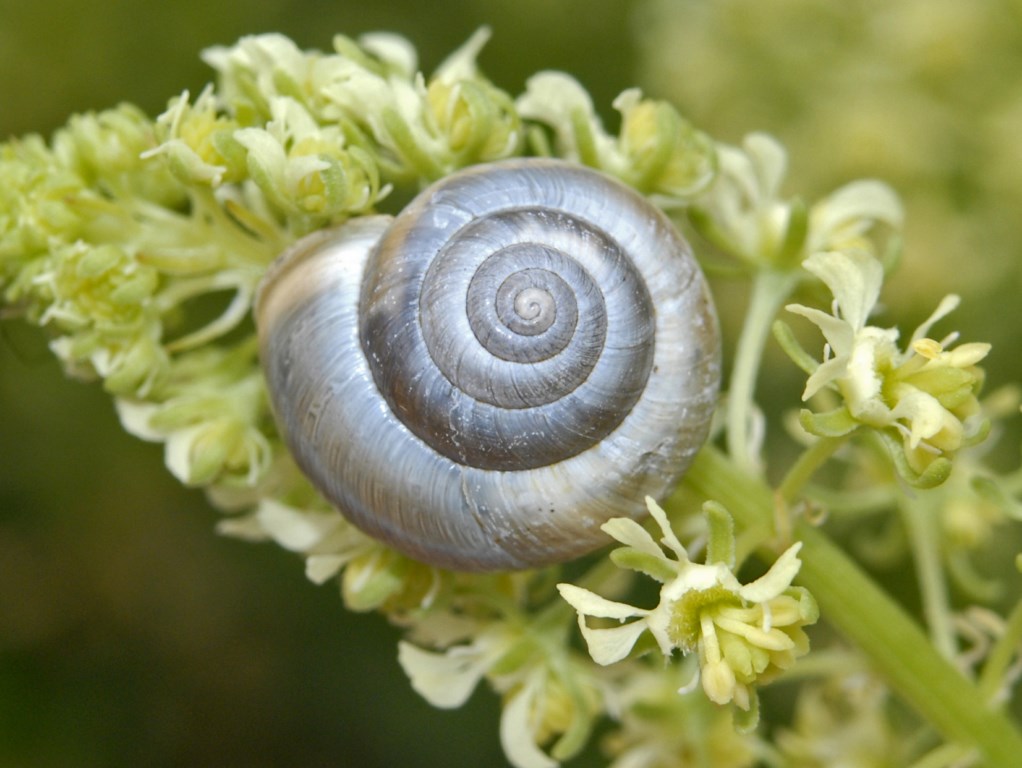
(527, 350)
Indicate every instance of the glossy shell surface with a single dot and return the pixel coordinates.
(527, 350)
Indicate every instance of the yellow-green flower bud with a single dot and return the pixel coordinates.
(478, 122)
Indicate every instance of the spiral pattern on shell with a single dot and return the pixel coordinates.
(525, 351)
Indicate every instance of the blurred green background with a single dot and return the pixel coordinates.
(131, 634)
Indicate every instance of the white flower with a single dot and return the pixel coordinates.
(926, 394)
(657, 152)
(209, 434)
(657, 728)
(304, 168)
(426, 130)
(742, 209)
(188, 132)
(742, 632)
(744, 213)
(548, 694)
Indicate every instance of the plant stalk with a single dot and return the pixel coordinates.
(769, 289)
(867, 616)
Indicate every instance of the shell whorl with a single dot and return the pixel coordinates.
(525, 351)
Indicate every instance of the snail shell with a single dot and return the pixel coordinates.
(527, 350)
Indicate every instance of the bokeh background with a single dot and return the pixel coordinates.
(130, 634)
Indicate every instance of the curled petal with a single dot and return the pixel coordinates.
(517, 732)
(319, 569)
(774, 640)
(764, 162)
(393, 50)
(947, 305)
(669, 539)
(828, 372)
(852, 209)
(927, 418)
(461, 65)
(777, 579)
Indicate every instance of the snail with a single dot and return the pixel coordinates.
(525, 351)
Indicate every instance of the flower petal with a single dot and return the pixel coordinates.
(851, 210)
(461, 65)
(321, 568)
(777, 579)
(135, 418)
(295, 529)
(591, 604)
(769, 162)
(838, 333)
(611, 644)
(630, 533)
(669, 539)
(516, 732)
(445, 680)
(854, 277)
(828, 372)
(718, 682)
(947, 305)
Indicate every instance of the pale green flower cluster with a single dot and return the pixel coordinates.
(745, 214)
(849, 722)
(323, 136)
(661, 729)
(657, 151)
(139, 245)
(549, 693)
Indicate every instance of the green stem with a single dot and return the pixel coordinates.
(866, 501)
(814, 457)
(1007, 646)
(769, 289)
(920, 521)
(870, 619)
(943, 756)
